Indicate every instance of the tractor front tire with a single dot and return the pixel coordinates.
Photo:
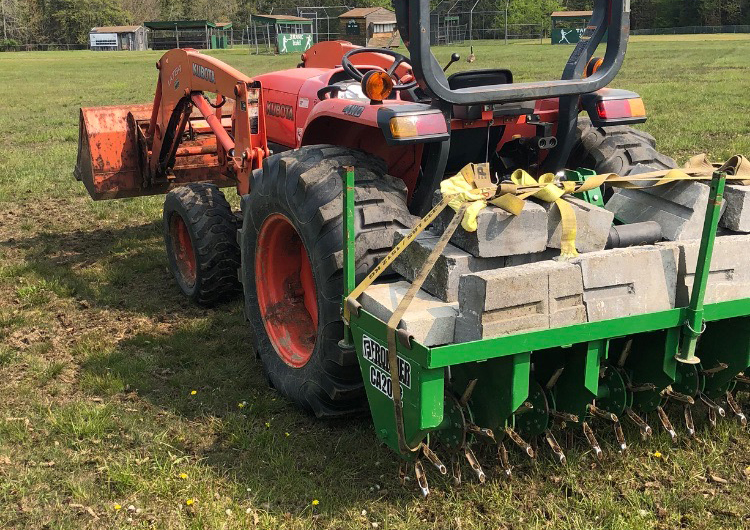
(200, 237)
(616, 149)
(292, 257)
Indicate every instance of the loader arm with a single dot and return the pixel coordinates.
(184, 78)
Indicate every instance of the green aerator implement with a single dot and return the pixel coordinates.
(521, 387)
(361, 154)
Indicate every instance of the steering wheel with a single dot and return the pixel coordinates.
(357, 75)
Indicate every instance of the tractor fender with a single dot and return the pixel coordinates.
(429, 123)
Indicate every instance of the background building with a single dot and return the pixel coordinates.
(118, 38)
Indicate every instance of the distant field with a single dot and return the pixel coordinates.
(99, 355)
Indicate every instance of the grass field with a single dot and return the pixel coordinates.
(121, 405)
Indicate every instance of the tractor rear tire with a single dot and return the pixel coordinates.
(617, 149)
(200, 237)
(291, 241)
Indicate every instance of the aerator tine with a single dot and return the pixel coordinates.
(502, 456)
(474, 464)
(421, 478)
(713, 409)
(645, 428)
(555, 446)
(664, 419)
(520, 442)
(592, 441)
(735, 408)
(430, 455)
(689, 424)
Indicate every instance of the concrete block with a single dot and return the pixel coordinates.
(729, 276)
(679, 208)
(442, 281)
(523, 259)
(628, 281)
(500, 233)
(523, 298)
(428, 319)
(592, 225)
(737, 214)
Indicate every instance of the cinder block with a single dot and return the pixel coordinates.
(522, 298)
(729, 276)
(449, 267)
(737, 214)
(592, 225)
(523, 259)
(500, 233)
(628, 281)
(679, 208)
(429, 320)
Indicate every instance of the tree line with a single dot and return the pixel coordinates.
(69, 21)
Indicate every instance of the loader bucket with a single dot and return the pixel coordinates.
(108, 162)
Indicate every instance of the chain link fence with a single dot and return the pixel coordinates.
(693, 30)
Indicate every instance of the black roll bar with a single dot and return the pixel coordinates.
(612, 16)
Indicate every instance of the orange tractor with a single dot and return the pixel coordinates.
(283, 140)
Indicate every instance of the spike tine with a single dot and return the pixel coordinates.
(742, 378)
(526, 407)
(520, 442)
(620, 437)
(625, 353)
(564, 416)
(666, 423)
(592, 441)
(434, 460)
(554, 378)
(735, 408)
(474, 464)
(603, 414)
(678, 396)
(502, 455)
(466, 396)
(689, 421)
(712, 405)
(456, 470)
(556, 449)
(421, 478)
(718, 368)
(712, 417)
(644, 427)
(481, 431)
(403, 469)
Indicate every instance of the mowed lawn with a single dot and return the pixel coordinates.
(124, 406)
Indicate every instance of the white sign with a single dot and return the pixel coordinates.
(379, 375)
(101, 40)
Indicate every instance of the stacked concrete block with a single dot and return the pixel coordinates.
(453, 263)
(430, 321)
(628, 281)
(736, 217)
(523, 298)
(679, 208)
(500, 233)
(592, 225)
(729, 276)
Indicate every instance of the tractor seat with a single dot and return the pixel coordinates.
(476, 78)
(473, 78)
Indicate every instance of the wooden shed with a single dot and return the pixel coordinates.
(118, 38)
(370, 26)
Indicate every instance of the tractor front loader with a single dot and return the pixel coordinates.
(359, 154)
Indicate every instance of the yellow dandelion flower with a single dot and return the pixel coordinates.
(189, 502)
(286, 434)
(193, 392)
(657, 454)
(315, 502)
(183, 476)
(268, 424)
(118, 507)
(242, 404)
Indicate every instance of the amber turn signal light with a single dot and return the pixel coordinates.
(377, 85)
(593, 65)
